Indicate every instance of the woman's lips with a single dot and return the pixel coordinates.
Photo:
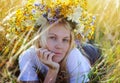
(58, 53)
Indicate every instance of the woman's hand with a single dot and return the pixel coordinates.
(46, 57)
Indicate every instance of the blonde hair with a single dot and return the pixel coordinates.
(44, 26)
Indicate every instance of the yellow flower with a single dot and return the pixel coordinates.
(19, 13)
(73, 10)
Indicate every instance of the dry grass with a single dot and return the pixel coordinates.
(107, 36)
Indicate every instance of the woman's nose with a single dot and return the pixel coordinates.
(59, 44)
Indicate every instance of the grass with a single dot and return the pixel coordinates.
(107, 36)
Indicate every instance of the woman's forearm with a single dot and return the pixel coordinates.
(51, 76)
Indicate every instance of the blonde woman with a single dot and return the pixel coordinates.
(53, 58)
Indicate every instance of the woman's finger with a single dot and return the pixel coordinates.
(51, 56)
(42, 51)
(46, 55)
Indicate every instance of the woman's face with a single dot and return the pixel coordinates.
(58, 41)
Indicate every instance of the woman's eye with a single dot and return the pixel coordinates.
(65, 40)
(54, 38)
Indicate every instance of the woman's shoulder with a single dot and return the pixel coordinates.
(75, 52)
(29, 53)
(76, 56)
(77, 63)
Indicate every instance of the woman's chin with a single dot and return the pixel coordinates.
(57, 60)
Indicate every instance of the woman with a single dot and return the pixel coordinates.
(54, 55)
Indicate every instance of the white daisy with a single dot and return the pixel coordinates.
(75, 17)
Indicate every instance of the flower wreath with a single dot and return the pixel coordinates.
(72, 10)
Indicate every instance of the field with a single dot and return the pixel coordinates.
(107, 36)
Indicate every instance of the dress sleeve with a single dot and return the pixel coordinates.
(27, 67)
(78, 67)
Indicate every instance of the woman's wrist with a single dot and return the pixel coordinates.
(55, 69)
(51, 75)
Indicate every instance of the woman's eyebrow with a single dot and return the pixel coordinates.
(51, 33)
(56, 35)
(67, 37)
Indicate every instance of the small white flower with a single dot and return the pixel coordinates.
(8, 36)
(94, 17)
(75, 17)
(80, 28)
(92, 23)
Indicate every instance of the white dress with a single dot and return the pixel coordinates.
(77, 65)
